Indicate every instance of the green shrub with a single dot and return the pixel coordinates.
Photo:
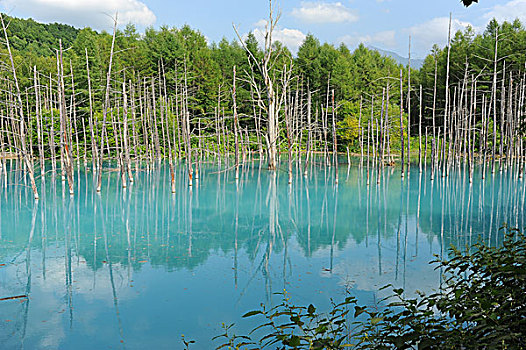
(482, 305)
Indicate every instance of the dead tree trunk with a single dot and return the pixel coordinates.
(309, 132)
(94, 156)
(66, 150)
(105, 107)
(402, 149)
(420, 132)
(270, 96)
(446, 108)
(334, 141)
(127, 162)
(236, 131)
(39, 123)
(25, 155)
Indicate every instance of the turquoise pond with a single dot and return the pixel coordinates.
(136, 268)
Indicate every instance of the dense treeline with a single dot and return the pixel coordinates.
(168, 93)
(360, 73)
(473, 55)
(209, 65)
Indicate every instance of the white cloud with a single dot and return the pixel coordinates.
(323, 12)
(261, 23)
(93, 13)
(46, 324)
(291, 38)
(508, 12)
(434, 31)
(386, 39)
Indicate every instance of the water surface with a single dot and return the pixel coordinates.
(136, 268)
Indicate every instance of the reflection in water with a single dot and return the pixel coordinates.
(136, 267)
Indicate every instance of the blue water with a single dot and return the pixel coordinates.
(136, 268)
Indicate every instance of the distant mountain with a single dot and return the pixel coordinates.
(416, 63)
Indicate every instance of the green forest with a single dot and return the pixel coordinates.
(174, 70)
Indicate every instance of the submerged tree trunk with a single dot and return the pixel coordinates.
(236, 131)
(22, 132)
(66, 149)
(105, 107)
(402, 149)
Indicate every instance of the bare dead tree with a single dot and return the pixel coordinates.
(65, 137)
(271, 94)
(20, 109)
(106, 105)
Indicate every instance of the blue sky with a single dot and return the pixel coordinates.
(386, 24)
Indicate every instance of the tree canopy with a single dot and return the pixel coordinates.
(357, 76)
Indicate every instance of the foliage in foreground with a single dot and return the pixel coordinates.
(482, 305)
